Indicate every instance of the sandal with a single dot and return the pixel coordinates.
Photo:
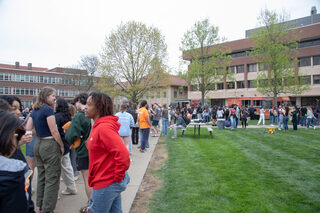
(84, 209)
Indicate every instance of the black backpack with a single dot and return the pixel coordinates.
(186, 120)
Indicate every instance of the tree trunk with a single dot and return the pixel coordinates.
(275, 102)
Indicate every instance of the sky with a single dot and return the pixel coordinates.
(56, 33)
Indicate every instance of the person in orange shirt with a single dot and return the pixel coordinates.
(145, 125)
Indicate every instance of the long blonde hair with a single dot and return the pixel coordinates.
(42, 97)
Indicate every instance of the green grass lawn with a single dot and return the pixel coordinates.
(241, 171)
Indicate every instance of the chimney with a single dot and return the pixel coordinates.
(17, 65)
(29, 66)
(313, 10)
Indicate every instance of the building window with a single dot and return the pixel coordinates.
(5, 90)
(257, 103)
(252, 84)
(316, 79)
(252, 67)
(246, 103)
(263, 67)
(305, 79)
(4, 77)
(232, 69)
(316, 60)
(164, 94)
(240, 84)
(240, 69)
(194, 87)
(219, 86)
(305, 61)
(175, 94)
(231, 85)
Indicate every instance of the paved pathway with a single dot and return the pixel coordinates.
(138, 167)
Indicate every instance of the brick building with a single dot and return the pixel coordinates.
(243, 90)
(25, 82)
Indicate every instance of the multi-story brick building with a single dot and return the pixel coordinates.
(25, 82)
(243, 90)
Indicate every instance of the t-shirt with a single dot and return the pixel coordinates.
(165, 113)
(261, 111)
(39, 118)
(143, 115)
(157, 116)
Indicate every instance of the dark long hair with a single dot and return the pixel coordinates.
(8, 125)
(63, 107)
(103, 103)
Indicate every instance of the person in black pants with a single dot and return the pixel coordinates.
(294, 114)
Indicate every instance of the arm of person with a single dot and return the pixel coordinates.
(51, 120)
(149, 122)
(27, 138)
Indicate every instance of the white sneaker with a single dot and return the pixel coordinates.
(314, 127)
(76, 177)
(173, 137)
(69, 192)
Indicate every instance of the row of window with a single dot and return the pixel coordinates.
(40, 79)
(253, 84)
(251, 68)
(310, 60)
(33, 91)
(301, 44)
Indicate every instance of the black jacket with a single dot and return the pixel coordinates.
(12, 193)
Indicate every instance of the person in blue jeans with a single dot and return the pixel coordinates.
(286, 118)
(281, 115)
(165, 119)
(232, 115)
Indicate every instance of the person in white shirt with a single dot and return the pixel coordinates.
(261, 116)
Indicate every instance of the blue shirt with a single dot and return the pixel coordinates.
(126, 121)
(39, 118)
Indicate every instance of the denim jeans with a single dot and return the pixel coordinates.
(144, 138)
(206, 118)
(165, 124)
(280, 121)
(309, 122)
(285, 123)
(271, 119)
(303, 120)
(233, 122)
(108, 199)
(276, 119)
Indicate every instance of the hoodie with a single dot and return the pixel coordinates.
(12, 192)
(108, 156)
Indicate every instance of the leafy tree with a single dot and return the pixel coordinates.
(134, 57)
(209, 60)
(275, 49)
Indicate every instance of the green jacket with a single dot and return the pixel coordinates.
(80, 127)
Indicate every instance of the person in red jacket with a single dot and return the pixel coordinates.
(108, 156)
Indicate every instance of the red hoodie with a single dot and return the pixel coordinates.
(108, 156)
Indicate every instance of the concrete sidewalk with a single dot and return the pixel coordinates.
(138, 167)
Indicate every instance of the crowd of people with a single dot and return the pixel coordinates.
(88, 137)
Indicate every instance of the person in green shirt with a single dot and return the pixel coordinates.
(80, 127)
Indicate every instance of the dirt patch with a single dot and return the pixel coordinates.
(150, 182)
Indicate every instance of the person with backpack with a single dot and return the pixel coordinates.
(181, 123)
